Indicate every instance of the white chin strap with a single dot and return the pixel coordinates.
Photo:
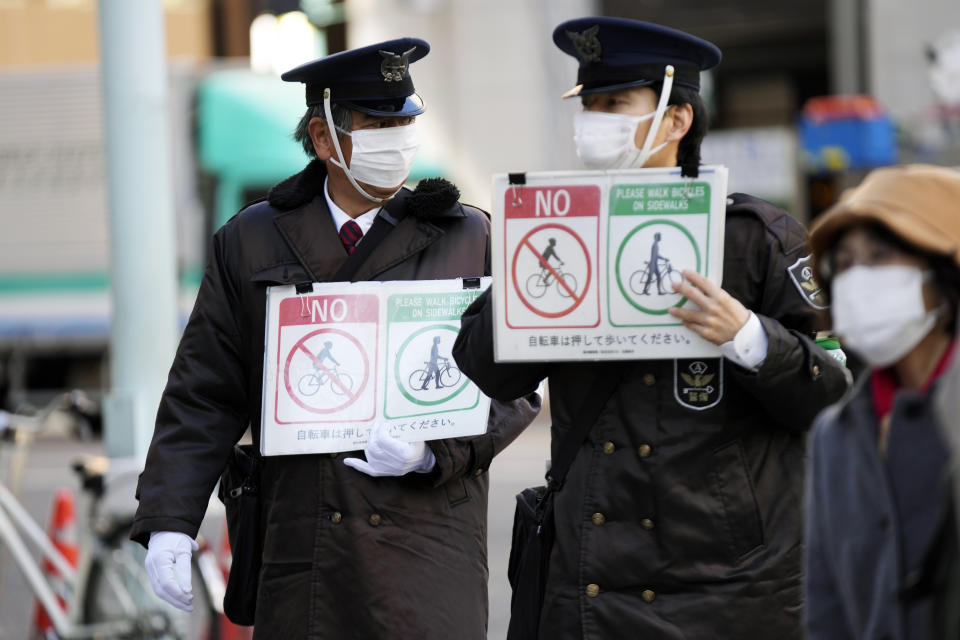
(339, 161)
(644, 154)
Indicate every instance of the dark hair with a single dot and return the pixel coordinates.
(688, 152)
(946, 272)
(341, 120)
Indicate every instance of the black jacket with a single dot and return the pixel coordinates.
(345, 555)
(681, 515)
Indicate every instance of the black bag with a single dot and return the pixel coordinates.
(239, 492)
(533, 525)
(529, 559)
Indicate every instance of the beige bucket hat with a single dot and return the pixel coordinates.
(920, 203)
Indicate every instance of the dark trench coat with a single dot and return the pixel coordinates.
(680, 519)
(345, 555)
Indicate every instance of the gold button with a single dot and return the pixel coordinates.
(593, 590)
(336, 517)
(478, 472)
(649, 379)
(598, 519)
(608, 447)
(334, 455)
(648, 595)
(644, 450)
(375, 519)
(816, 370)
(647, 524)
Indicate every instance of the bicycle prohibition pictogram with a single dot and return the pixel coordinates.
(545, 287)
(317, 371)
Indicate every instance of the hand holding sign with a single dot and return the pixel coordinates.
(390, 456)
(721, 315)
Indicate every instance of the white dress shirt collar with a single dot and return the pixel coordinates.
(340, 216)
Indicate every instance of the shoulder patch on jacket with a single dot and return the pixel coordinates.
(789, 233)
(698, 382)
(801, 273)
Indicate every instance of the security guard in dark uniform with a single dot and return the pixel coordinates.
(388, 545)
(680, 517)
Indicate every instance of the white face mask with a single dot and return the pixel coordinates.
(605, 140)
(382, 157)
(879, 311)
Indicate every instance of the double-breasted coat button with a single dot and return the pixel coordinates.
(478, 472)
(646, 523)
(815, 371)
(375, 519)
(649, 379)
(334, 455)
(644, 450)
(336, 517)
(593, 590)
(648, 595)
(598, 519)
(609, 447)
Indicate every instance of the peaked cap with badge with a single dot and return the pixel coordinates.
(374, 79)
(617, 53)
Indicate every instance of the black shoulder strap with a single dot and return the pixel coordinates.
(390, 215)
(603, 386)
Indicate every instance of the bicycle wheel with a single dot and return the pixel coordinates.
(117, 585)
(673, 277)
(417, 378)
(639, 280)
(570, 289)
(450, 377)
(309, 384)
(345, 386)
(535, 286)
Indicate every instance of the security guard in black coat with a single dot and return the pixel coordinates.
(680, 517)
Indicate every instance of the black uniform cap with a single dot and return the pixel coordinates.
(616, 53)
(373, 79)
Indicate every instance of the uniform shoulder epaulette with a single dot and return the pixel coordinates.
(789, 233)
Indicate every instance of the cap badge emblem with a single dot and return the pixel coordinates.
(587, 43)
(394, 65)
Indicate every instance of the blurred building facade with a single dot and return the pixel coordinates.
(492, 87)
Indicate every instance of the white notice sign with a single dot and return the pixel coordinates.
(345, 356)
(584, 262)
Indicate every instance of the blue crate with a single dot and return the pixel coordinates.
(839, 144)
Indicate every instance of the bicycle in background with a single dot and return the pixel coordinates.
(108, 593)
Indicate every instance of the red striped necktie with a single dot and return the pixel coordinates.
(350, 235)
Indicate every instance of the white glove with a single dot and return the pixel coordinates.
(168, 566)
(390, 456)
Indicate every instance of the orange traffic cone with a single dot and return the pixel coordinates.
(62, 531)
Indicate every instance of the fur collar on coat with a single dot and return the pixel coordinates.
(433, 197)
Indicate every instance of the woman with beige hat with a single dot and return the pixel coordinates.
(889, 254)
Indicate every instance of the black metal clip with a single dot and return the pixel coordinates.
(516, 179)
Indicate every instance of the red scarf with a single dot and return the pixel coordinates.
(884, 384)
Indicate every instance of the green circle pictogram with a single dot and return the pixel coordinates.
(623, 244)
(401, 378)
